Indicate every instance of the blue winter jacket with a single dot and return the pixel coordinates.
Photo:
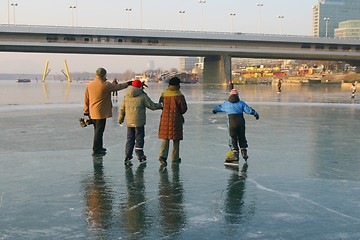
(235, 106)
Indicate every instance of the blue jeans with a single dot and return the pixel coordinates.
(135, 138)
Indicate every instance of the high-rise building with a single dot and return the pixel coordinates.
(327, 15)
(151, 65)
(348, 30)
(188, 63)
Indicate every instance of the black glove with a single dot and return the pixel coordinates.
(256, 115)
(86, 114)
(129, 83)
(214, 112)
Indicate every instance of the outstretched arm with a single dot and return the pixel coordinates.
(250, 111)
(151, 105)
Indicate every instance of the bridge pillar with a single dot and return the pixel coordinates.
(217, 69)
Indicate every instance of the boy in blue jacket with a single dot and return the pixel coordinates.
(234, 109)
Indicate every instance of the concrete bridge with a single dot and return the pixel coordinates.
(217, 47)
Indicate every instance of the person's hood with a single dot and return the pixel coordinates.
(234, 98)
(133, 91)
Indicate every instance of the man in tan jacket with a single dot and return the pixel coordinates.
(98, 106)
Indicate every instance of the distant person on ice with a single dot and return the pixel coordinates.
(234, 109)
(279, 85)
(115, 82)
(133, 111)
(353, 90)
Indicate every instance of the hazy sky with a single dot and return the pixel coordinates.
(156, 14)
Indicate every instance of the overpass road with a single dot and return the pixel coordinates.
(217, 47)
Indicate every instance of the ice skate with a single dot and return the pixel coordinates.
(127, 161)
(244, 154)
(163, 161)
(232, 158)
(142, 159)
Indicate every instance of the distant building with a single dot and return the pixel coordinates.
(151, 65)
(331, 13)
(186, 64)
(348, 30)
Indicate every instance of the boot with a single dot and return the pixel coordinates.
(162, 161)
(127, 161)
(142, 158)
(244, 154)
(234, 157)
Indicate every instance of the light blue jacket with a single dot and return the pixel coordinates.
(235, 108)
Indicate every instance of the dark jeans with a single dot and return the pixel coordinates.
(135, 137)
(237, 131)
(99, 128)
(238, 137)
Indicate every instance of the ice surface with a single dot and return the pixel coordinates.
(302, 181)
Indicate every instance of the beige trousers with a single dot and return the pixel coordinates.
(164, 149)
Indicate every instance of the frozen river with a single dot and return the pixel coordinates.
(302, 181)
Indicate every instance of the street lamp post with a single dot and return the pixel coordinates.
(73, 8)
(259, 5)
(8, 12)
(14, 5)
(141, 13)
(281, 18)
(76, 13)
(128, 10)
(327, 26)
(202, 2)
(232, 16)
(181, 19)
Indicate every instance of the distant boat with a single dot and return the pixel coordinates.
(310, 81)
(23, 80)
(183, 76)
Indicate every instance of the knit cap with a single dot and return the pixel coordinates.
(137, 83)
(101, 72)
(174, 81)
(234, 92)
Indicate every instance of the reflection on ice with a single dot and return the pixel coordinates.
(134, 214)
(99, 199)
(171, 202)
(302, 180)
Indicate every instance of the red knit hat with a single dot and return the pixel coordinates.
(137, 83)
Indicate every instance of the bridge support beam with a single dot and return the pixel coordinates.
(217, 69)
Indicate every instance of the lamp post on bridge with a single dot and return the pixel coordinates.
(281, 18)
(141, 13)
(8, 7)
(202, 2)
(14, 5)
(76, 14)
(326, 27)
(128, 10)
(181, 19)
(73, 8)
(259, 5)
(232, 16)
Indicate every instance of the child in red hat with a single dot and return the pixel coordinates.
(133, 111)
